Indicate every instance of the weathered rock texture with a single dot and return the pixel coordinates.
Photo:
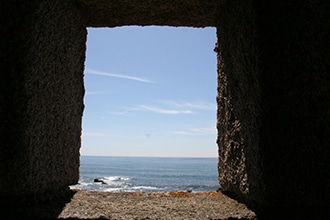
(273, 94)
(41, 101)
(111, 13)
(273, 102)
(239, 110)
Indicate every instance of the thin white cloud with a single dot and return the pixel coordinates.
(198, 131)
(163, 111)
(173, 107)
(95, 72)
(118, 113)
(193, 105)
(210, 130)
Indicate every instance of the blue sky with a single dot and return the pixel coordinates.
(150, 91)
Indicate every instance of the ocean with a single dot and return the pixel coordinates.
(147, 174)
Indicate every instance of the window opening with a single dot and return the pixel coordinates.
(150, 108)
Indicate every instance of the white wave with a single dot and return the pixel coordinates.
(80, 185)
(132, 189)
(144, 188)
(113, 190)
(116, 180)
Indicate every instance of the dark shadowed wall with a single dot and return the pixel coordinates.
(274, 102)
(295, 82)
(42, 61)
(239, 111)
(112, 13)
(273, 94)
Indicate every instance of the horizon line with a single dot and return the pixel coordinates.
(201, 157)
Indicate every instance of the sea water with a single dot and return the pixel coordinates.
(147, 174)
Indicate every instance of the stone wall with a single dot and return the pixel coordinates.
(273, 93)
(273, 102)
(239, 111)
(41, 103)
(295, 96)
(112, 13)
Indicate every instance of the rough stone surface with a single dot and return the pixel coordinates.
(41, 97)
(273, 94)
(107, 205)
(112, 13)
(238, 114)
(273, 102)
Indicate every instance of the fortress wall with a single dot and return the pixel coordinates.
(41, 97)
(273, 93)
(112, 13)
(239, 111)
(293, 38)
(273, 102)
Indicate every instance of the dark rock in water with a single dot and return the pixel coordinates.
(99, 181)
